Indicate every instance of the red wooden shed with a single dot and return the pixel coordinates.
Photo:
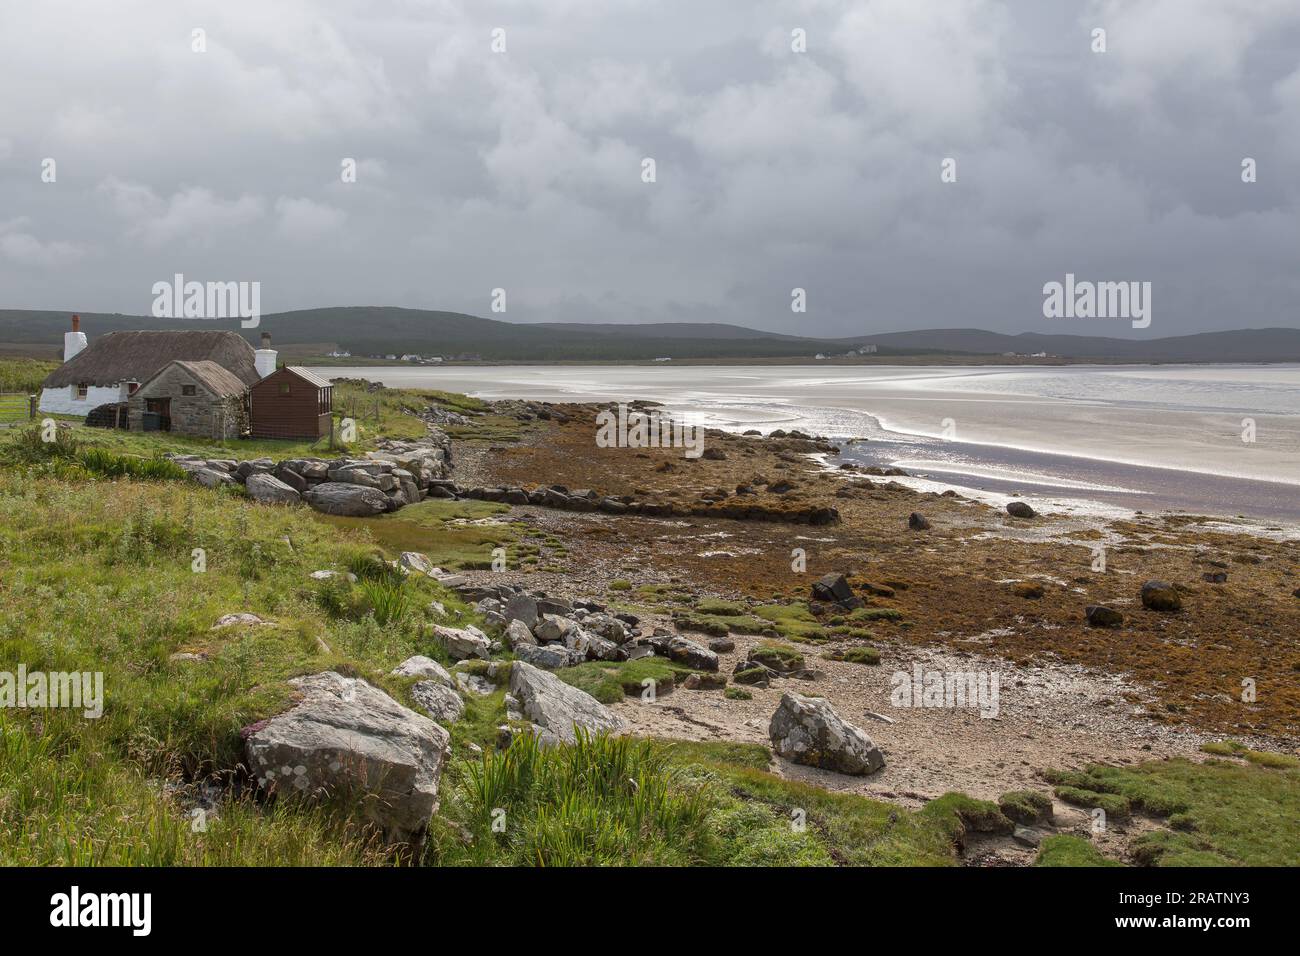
(291, 402)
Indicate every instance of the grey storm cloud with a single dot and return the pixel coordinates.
(775, 169)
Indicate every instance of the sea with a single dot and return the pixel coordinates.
(1214, 440)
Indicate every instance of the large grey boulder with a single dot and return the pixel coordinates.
(347, 739)
(548, 656)
(421, 666)
(212, 477)
(552, 627)
(438, 701)
(522, 608)
(463, 642)
(353, 501)
(517, 633)
(692, 655)
(269, 490)
(416, 562)
(556, 706)
(806, 730)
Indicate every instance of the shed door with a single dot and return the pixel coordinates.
(162, 407)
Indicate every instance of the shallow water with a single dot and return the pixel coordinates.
(1136, 437)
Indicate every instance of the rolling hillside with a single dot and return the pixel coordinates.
(371, 330)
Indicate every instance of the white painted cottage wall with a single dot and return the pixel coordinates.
(63, 401)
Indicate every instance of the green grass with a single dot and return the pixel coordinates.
(1221, 812)
(456, 535)
(855, 655)
(957, 814)
(24, 375)
(609, 801)
(1232, 748)
(609, 681)
(1062, 849)
(1025, 806)
(719, 607)
(777, 656)
(793, 621)
(603, 801)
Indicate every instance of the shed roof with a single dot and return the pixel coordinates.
(138, 356)
(305, 374)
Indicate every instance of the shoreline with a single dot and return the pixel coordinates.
(1188, 464)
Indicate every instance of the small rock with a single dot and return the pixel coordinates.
(692, 655)
(1098, 615)
(438, 701)
(1027, 836)
(832, 587)
(517, 633)
(1019, 509)
(918, 522)
(416, 562)
(1161, 596)
(705, 682)
(461, 643)
(241, 618)
(426, 667)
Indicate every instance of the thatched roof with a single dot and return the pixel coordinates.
(138, 356)
(221, 382)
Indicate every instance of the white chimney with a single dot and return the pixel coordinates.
(266, 357)
(74, 341)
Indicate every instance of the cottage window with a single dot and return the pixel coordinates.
(284, 388)
(82, 392)
(187, 390)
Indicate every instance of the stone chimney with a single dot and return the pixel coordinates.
(74, 341)
(266, 357)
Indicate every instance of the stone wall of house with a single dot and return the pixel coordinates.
(199, 414)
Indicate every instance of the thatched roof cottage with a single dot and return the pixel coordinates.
(111, 368)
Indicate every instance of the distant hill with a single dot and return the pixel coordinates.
(1240, 345)
(379, 330)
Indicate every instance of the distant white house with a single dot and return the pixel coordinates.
(339, 353)
(664, 358)
(410, 358)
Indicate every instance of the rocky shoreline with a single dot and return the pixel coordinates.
(795, 654)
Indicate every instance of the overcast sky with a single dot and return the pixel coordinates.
(775, 169)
